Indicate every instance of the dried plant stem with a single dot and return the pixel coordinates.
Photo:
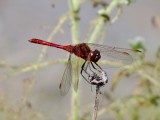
(94, 117)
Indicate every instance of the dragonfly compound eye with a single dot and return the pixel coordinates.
(95, 56)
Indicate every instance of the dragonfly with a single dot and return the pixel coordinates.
(92, 54)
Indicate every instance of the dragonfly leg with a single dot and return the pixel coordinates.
(91, 69)
(96, 68)
(82, 69)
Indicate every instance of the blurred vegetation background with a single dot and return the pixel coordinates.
(30, 74)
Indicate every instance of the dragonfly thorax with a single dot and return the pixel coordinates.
(81, 50)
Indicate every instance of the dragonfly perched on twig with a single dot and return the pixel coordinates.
(98, 80)
(92, 54)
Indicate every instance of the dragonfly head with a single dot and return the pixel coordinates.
(95, 55)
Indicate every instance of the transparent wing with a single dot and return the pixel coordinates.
(115, 55)
(67, 78)
(76, 72)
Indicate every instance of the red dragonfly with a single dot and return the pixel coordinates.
(92, 54)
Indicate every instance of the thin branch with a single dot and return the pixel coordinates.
(94, 117)
(102, 20)
(148, 77)
(32, 67)
(74, 7)
(74, 4)
(54, 31)
(119, 12)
